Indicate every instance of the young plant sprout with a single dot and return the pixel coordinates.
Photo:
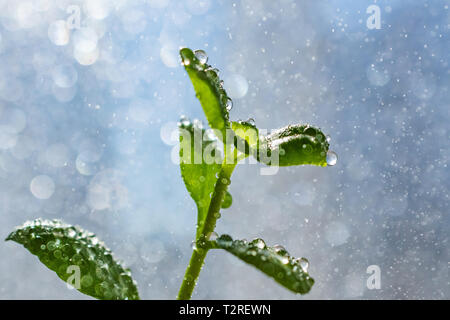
(85, 263)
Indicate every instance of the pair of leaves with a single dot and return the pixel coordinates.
(78, 258)
(273, 261)
(288, 146)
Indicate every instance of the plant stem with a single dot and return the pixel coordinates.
(199, 254)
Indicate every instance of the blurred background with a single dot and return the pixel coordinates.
(90, 93)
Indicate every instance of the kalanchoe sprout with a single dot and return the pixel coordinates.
(64, 248)
(288, 146)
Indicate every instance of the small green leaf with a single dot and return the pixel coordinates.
(200, 163)
(208, 89)
(294, 145)
(69, 250)
(273, 261)
(248, 136)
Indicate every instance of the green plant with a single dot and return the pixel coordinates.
(206, 171)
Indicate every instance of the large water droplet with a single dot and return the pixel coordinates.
(331, 158)
(201, 56)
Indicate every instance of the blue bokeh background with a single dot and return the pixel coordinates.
(87, 112)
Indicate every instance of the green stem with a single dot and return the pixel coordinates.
(199, 254)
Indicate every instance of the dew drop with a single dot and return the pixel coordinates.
(328, 139)
(201, 56)
(193, 245)
(251, 121)
(280, 250)
(285, 260)
(212, 236)
(259, 243)
(229, 105)
(304, 264)
(331, 158)
(184, 121)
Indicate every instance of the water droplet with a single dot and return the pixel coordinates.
(259, 243)
(229, 105)
(225, 238)
(201, 56)
(184, 121)
(304, 264)
(212, 236)
(285, 260)
(194, 245)
(202, 179)
(331, 158)
(280, 250)
(328, 139)
(251, 121)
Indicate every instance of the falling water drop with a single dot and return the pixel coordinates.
(331, 158)
(201, 56)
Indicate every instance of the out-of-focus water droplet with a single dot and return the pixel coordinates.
(59, 33)
(42, 187)
(304, 264)
(201, 56)
(229, 105)
(331, 158)
(328, 138)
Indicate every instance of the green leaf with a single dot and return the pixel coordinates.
(66, 250)
(294, 145)
(208, 89)
(273, 261)
(247, 136)
(200, 163)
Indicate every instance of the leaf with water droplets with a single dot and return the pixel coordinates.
(200, 163)
(294, 145)
(247, 136)
(273, 261)
(208, 88)
(74, 253)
